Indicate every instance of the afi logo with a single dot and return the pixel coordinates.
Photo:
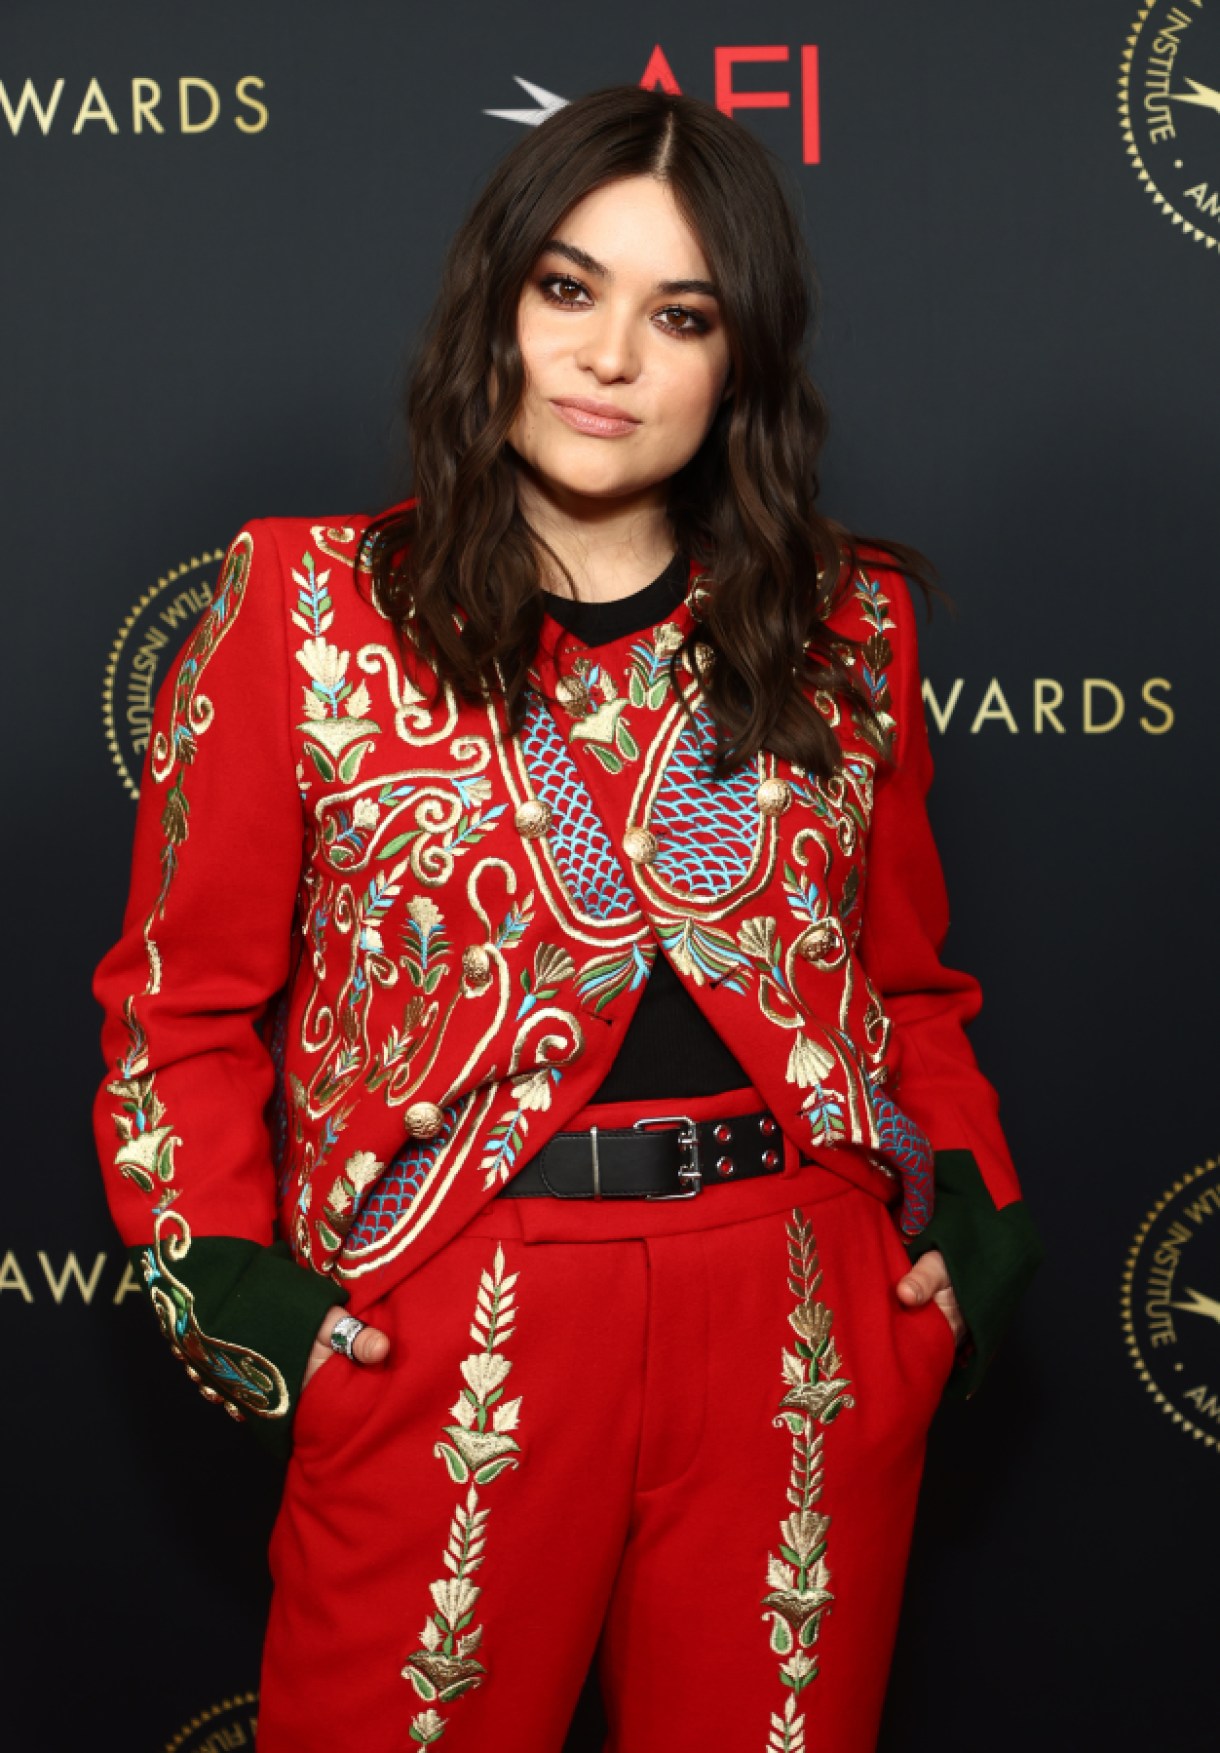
(659, 75)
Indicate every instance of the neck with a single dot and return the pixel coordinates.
(607, 549)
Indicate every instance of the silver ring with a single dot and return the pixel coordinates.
(343, 1335)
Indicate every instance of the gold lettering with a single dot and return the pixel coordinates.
(30, 100)
(71, 1270)
(994, 706)
(942, 714)
(13, 1278)
(185, 605)
(185, 86)
(143, 106)
(1208, 1403)
(1205, 202)
(1091, 726)
(94, 108)
(223, 1740)
(1044, 708)
(1204, 1206)
(131, 1284)
(1161, 706)
(252, 103)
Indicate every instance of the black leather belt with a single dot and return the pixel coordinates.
(667, 1156)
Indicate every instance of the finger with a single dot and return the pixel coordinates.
(371, 1345)
(928, 1276)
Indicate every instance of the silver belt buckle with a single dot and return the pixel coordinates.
(689, 1173)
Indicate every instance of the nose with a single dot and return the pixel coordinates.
(608, 346)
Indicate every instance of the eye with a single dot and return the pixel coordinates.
(561, 289)
(680, 320)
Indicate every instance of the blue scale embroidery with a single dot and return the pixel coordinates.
(707, 828)
(906, 1148)
(578, 839)
(390, 1196)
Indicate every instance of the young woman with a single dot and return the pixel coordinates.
(533, 947)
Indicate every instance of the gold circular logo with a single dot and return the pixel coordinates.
(233, 1723)
(1171, 1302)
(1169, 102)
(149, 640)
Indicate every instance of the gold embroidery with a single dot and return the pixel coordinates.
(479, 1448)
(239, 1379)
(798, 1578)
(233, 1376)
(174, 750)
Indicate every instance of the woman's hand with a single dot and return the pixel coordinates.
(929, 1278)
(371, 1344)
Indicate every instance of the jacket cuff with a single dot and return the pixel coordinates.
(242, 1317)
(991, 1255)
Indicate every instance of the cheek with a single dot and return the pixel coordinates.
(696, 396)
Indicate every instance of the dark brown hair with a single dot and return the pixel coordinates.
(744, 507)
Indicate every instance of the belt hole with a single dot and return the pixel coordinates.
(725, 1165)
(770, 1159)
(722, 1133)
(766, 1125)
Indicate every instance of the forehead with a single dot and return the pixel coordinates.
(634, 225)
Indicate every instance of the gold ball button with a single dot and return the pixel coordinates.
(424, 1119)
(572, 694)
(476, 965)
(640, 846)
(774, 796)
(532, 819)
(819, 943)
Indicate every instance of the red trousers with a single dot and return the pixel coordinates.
(685, 1437)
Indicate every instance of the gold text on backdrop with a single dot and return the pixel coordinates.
(187, 105)
(1094, 706)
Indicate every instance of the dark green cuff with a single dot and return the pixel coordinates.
(242, 1317)
(991, 1255)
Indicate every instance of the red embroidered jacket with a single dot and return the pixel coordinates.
(377, 951)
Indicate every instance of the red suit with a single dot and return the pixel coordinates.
(378, 951)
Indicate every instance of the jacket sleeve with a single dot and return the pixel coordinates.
(187, 992)
(979, 1222)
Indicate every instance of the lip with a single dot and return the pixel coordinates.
(597, 419)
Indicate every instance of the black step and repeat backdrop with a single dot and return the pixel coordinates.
(222, 221)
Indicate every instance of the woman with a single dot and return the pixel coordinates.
(534, 927)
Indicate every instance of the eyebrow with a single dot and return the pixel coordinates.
(581, 259)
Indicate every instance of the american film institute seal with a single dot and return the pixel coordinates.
(1169, 102)
(1171, 1302)
(230, 1724)
(149, 640)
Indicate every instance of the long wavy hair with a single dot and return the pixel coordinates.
(744, 507)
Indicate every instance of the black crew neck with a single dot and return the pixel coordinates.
(600, 623)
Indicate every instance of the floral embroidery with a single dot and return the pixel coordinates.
(336, 714)
(600, 725)
(239, 1379)
(875, 656)
(425, 945)
(798, 1577)
(649, 680)
(605, 978)
(480, 1446)
(146, 1144)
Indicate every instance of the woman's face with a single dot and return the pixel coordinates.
(625, 353)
